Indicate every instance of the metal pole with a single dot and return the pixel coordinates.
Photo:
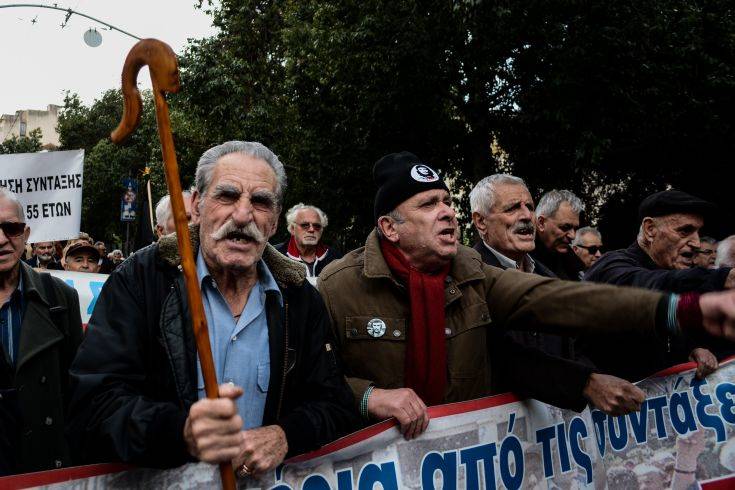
(69, 13)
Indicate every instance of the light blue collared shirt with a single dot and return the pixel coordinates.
(240, 347)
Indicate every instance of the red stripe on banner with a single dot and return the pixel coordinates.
(680, 368)
(725, 483)
(29, 480)
(434, 412)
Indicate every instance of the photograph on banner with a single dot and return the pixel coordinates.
(49, 186)
(683, 437)
(129, 200)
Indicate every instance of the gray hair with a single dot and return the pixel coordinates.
(726, 253)
(550, 202)
(11, 196)
(583, 231)
(163, 208)
(209, 159)
(482, 196)
(294, 210)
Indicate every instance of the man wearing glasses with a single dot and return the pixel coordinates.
(306, 224)
(587, 244)
(40, 330)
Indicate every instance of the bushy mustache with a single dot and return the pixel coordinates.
(231, 230)
(525, 226)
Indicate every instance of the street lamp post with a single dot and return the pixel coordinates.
(91, 40)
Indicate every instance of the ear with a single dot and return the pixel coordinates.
(26, 234)
(650, 230)
(479, 221)
(388, 227)
(159, 231)
(195, 201)
(540, 223)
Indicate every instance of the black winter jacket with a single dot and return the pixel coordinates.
(634, 357)
(34, 393)
(134, 378)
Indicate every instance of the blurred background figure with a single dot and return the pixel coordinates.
(726, 253)
(81, 256)
(43, 257)
(306, 224)
(587, 244)
(164, 216)
(706, 253)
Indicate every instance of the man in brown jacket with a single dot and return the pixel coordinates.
(416, 314)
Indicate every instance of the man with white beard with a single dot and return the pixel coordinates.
(306, 223)
(138, 394)
(43, 257)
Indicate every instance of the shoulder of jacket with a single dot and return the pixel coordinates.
(351, 260)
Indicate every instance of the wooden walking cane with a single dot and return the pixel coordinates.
(164, 71)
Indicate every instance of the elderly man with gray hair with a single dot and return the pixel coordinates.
(587, 244)
(306, 223)
(557, 216)
(138, 394)
(165, 217)
(726, 253)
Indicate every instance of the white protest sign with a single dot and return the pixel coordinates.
(88, 287)
(49, 185)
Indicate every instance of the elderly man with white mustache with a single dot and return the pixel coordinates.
(138, 393)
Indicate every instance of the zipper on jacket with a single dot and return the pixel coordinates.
(285, 359)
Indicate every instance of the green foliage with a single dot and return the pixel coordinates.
(609, 99)
(23, 144)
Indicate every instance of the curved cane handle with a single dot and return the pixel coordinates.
(164, 71)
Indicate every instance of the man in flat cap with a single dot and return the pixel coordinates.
(417, 315)
(662, 259)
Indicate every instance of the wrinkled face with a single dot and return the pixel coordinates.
(11, 248)
(170, 223)
(81, 261)
(674, 240)
(706, 255)
(44, 251)
(511, 224)
(428, 234)
(557, 231)
(307, 229)
(238, 213)
(589, 249)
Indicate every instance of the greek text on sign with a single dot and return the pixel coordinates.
(49, 186)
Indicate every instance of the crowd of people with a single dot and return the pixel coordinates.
(310, 345)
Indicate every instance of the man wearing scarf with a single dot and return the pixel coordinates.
(306, 224)
(420, 320)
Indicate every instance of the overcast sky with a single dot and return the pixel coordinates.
(41, 61)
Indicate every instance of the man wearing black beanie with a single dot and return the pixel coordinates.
(419, 317)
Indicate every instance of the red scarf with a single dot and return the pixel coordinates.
(426, 351)
(293, 250)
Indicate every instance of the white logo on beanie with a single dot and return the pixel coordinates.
(423, 173)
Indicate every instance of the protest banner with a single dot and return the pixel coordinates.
(49, 186)
(88, 287)
(683, 436)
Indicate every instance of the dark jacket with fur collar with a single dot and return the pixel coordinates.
(134, 378)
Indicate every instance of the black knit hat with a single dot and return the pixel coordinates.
(400, 176)
(670, 202)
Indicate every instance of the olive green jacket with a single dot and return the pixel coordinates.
(479, 299)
